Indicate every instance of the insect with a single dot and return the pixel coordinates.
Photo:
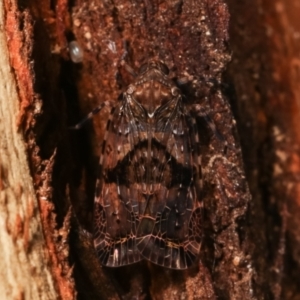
(148, 193)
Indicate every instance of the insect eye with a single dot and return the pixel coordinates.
(76, 52)
(164, 68)
(130, 89)
(175, 91)
(143, 68)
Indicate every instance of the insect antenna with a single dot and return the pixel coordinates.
(91, 114)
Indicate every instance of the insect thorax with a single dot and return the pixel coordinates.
(151, 93)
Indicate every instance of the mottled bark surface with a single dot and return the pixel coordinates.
(190, 37)
(25, 272)
(35, 252)
(265, 74)
(251, 246)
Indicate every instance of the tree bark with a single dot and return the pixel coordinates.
(265, 74)
(250, 247)
(25, 272)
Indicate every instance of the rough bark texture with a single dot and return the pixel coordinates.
(265, 74)
(36, 256)
(25, 272)
(190, 37)
(251, 247)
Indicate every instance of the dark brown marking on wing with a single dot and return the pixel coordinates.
(167, 234)
(115, 216)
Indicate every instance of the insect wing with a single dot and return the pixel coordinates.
(169, 232)
(116, 216)
(148, 196)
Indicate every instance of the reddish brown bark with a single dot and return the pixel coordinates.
(25, 53)
(191, 39)
(265, 73)
(251, 247)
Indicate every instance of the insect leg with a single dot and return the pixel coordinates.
(128, 68)
(201, 112)
(91, 114)
(123, 63)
